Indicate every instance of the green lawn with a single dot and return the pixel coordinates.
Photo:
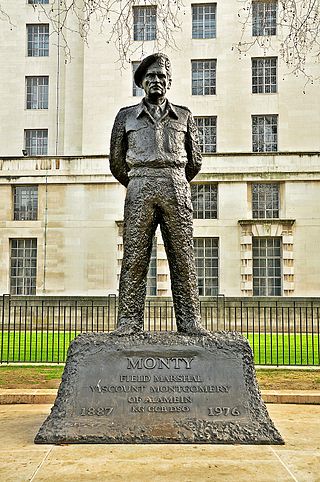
(43, 346)
(52, 347)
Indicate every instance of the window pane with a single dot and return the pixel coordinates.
(152, 273)
(144, 23)
(207, 250)
(264, 18)
(25, 200)
(38, 40)
(37, 89)
(204, 20)
(207, 129)
(36, 142)
(204, 201)
(267, 280)
(24, 256)
(265, 133)
(136, 91)
(265, 200)
(264, 75)
(203, 77)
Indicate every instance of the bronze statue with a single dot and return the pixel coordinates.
(155, 153)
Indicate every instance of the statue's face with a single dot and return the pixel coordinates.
(155, 81)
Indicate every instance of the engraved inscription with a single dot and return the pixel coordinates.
(225, 411)
(96, 411)
(134, 399)
(138, 409)
(177, 378)
(191, 388)
(98, 388)
(135, 378)
(163, 385)
(168, 400)
(165, 409)
(149, 363)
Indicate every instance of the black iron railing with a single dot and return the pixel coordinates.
(281, 331)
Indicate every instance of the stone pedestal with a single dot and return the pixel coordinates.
(159, 388)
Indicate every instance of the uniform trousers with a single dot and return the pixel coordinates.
(153, 201)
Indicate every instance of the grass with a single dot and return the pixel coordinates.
(279, 379)
(285, 349)
(45, 347)
(30, 376)
(51, 347)
(15, 376)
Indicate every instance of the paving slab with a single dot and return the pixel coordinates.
(298, 460)
(309, 397)
(24, 395)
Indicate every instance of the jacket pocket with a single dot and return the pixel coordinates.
(175, 134)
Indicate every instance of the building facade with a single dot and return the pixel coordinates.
(256, 216)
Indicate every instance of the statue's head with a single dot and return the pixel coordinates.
(154, 74)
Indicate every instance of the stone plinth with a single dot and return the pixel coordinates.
(159, 388)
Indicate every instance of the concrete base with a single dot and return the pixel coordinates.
(159, 388)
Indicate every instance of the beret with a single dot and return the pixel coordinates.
(145, 63)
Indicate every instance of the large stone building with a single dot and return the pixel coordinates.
(256, 200)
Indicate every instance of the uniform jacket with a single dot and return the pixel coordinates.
(139, 143)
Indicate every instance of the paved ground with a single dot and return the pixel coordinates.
(298, 460)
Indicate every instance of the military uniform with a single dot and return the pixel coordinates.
(155, 157)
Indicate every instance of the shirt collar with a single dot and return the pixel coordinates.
(142, 108)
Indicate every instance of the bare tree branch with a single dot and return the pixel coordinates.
(5, 17)
(114, 19)
(298, 31)
(297, 39)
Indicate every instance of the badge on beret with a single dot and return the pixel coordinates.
(161, 59)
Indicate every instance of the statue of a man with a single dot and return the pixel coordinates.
(155, 153)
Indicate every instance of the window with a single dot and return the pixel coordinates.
(152, 273)
(37, 92)
(264, 133)
(136, 91)
(25, 203)
(207, 128)
(203, 77)
(266, 255)
(204, 20)
(36, 142)
(264, 75)
(23, 268)
(144, 23)
(204, 201)
(265, 201)
(37, 2)
(207, 260)
(264, 18)
(38, 40)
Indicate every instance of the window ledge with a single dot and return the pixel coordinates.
(286, 222)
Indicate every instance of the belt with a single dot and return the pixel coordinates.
(157, 172)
